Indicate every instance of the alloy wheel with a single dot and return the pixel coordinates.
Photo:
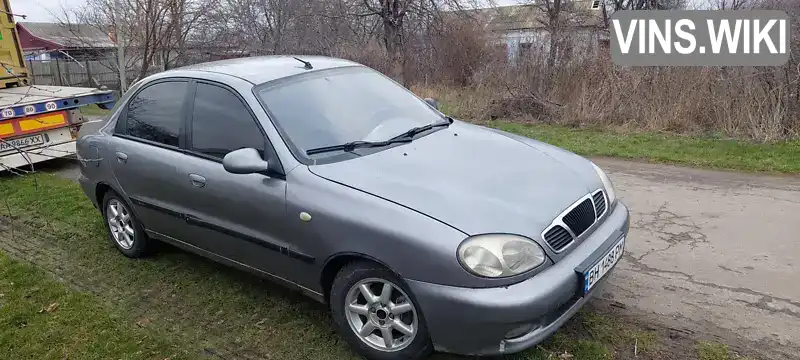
(120, 224)
(381, 314)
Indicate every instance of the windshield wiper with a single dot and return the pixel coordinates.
(420, 129)
(405, 137)
(347, 147)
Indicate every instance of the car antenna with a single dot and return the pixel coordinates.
(306, 64)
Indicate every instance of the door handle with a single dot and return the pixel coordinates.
(122, 157)
(197, 180)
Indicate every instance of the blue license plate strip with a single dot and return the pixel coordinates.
(598, 270)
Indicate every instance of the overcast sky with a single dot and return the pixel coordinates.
(42, 10)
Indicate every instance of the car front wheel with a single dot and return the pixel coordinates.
(376, 315)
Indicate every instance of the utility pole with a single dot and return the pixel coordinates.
(120, 46)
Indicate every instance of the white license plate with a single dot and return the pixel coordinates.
(592, 276)
(7, 145)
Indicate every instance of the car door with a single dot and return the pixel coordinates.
(241, 217)
(147, 150)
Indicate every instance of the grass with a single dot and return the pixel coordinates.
(696, 151)
(611, 330)
(710, 350)
(782, 157)
(707, 350)
(41, 319)
(595, 336)
(93, 110)
(195, 306)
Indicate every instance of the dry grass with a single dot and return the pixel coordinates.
(475, 81)
(745, 103)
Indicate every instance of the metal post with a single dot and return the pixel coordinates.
(67, 74)
(120, 45)
(32, 72)
(55, 72)
(89, 74)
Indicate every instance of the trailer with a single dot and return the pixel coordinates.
(41, 122)
(37, 122)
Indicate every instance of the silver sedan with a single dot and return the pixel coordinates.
(419, 231)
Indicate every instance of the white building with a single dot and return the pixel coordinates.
(523, 29)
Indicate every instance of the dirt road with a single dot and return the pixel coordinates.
(712, 250)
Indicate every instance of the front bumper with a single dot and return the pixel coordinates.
(476, 321)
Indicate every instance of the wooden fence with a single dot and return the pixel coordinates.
(79, 73)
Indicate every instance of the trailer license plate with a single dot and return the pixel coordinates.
(9, 145)
(592, 276)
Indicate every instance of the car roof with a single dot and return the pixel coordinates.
(261, 69)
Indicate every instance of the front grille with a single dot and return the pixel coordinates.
(580, 218)
(576, 221)
(558, 237)
(599, 203)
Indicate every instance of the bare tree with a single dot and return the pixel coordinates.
(332, 27)
(184, 16)
(559, 17)
(156, 31)
(290, 26)
(263, 26)
(553, 22)
(394, 14)
(648, 4)
(730, 4)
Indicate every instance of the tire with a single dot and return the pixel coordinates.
(132, 246)
(412, 343)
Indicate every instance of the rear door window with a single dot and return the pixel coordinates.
(221, 123)
(155, 113)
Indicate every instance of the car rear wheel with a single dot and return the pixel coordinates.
(377, 314)
(124, 230)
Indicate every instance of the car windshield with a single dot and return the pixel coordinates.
(333, 107)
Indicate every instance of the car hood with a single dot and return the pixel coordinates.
(475, 179)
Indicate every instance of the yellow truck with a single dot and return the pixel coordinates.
(37, 123)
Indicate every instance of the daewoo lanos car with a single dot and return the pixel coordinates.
(421, 232)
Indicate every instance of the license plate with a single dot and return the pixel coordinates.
(592, 276)
(7, 145)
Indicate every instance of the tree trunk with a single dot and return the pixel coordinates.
(551, 59)
(554, 25)
(393, 40)
(146, 59)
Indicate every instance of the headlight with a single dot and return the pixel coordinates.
(499, 255)
(609, 187)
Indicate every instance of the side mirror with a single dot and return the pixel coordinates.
(244, 161)
(432, 102)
